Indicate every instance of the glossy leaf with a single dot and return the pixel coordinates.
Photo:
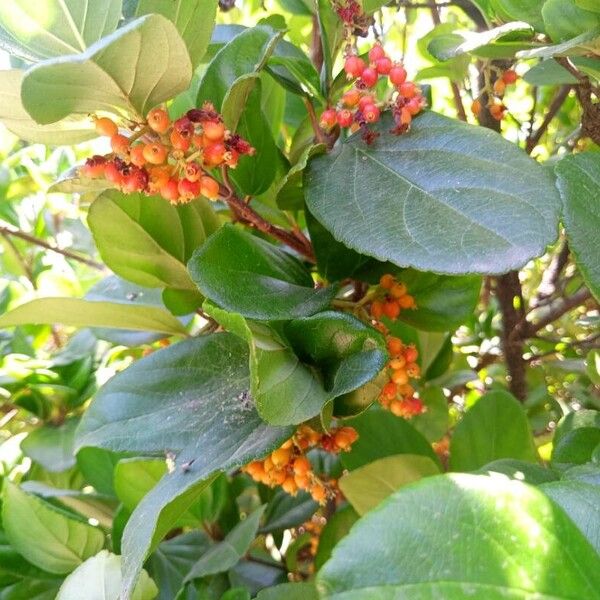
(141, 65)
(194, 21)
(245, 274)
(403, 200)
(582, 44)
(52, 446)
(70, 130)
(289, 591)
(493, 519)
(348, 352)
(433, 423)
(529, 11)
(100, 576)
(195, 403)
(445, 47)
(368, 485)
(226, 554)
(519, 470)
(579, 185)
(45, 536)
(565, 20)
(52, 28)
(78, 312)
(148, 241)
(381, 434)
(494, 427)
(581, 502)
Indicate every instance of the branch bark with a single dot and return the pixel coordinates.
(536, 136)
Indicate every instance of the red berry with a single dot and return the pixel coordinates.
(94, 167)
(188, 189)
(376, 52)
(369, 77)
(354, 66)
(105, 126)
(158, 120)
(509, 77)
(414, 105)
(384, 65)
(345, 118)
(193, 172)
(113, 173)
(397, 75)
(365, 101)
(407, 89)
(178, 141)
(328, 119)
(231, 158)
(371, 113)
(135, 181)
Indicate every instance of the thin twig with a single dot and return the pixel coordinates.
(535, 136)
(314, 121)
(13, 231)
(551, 275)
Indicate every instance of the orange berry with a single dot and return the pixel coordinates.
(281, 457)
(345, 437)
(407, 301)
(277, 476)
(159, 177)
(179, 141)
(302, 480)
(398, 290)
(351, 98)
(398, 363)
(387, 281)
(106, 127)
(119, 144)
(377, 309)
(413, 370)
(302, 465)
(499, 87)
(407, 89)
(395, 346)
(170, 190)
(136, 155)
(209, 188)
(188, 189)
(214, 132)
(255, 469)
(268, 463)
(318, 492)
(155, 153)
(214, 154)
(406, 389)
(391, 309)
(290, 486)
(192, 171)
(497, 111)
(397, 408)
(405, 116)
(400, 377)
(476, 107)
(158, 120)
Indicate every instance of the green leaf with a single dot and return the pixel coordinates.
(525, 546)
(592, 362)
(194, 20)
(367, 486)
(348, 352)
(529, 11)
(445, 47)
(45, 536)
(519, 470)
(575, 447)
(97, 466)
(147, 240)
(285, 511)
(381, 434)
(336, 528)
(31, 589)
(78, 312)
(495, 427)
(588, 5)
(289, 591)
(582, 44)
(581, 502)
(135, 477)
(129, 72)
(433, 423)
(17, 119)
(403, 199)
(245, 274)
(52, 28)
(226, 554)
(565, 20)
(52, 446)
(579, 185)
(576, 420)
(172, 560)
(194, 403)
(549, 72)
(100, 576)
(285, 390)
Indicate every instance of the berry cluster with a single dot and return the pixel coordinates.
(289, 467)
(397, 395)
(494, 94)
(355, 20)
(173, 159)
(359, 107)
